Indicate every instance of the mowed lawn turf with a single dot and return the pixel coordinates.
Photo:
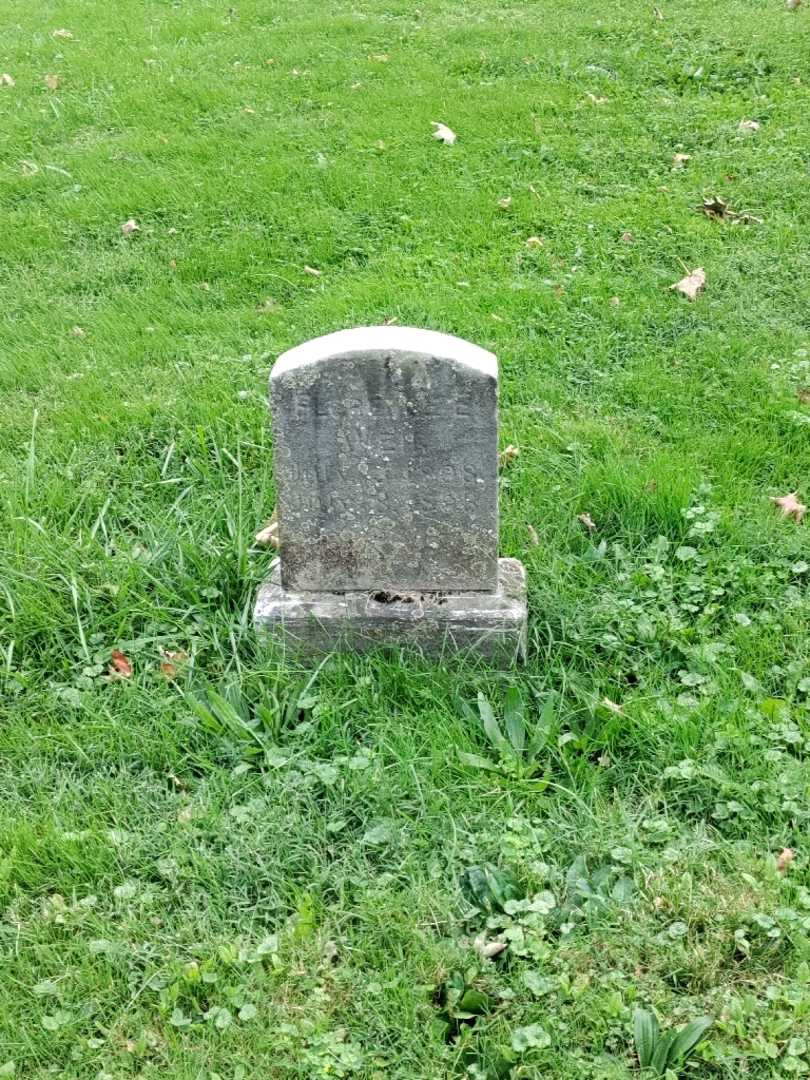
(214, 864)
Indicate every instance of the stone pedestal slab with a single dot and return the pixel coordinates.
(491, 625)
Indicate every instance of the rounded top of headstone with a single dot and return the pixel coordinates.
(387, 340)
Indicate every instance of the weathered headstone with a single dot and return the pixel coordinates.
(386, 458)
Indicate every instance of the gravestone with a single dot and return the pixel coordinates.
(386, 471)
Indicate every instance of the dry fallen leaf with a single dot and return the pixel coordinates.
(792, 5)
(64, 34)
(130, 227)
(679, 160)
(803, 394)
(120, 667)
(614, 301)
(534, 242)
(535, 539)
(692, 284)
(268, 306)
(790, 506)
(505, 203)
(443, 133)
(269, 536)
(658, 14)
(594, 100)
(6, 80)
(77, 331)
(29, 168)
(784, 859)
(174, 658)
(749, 125)
(587, 521)
(627, 238)
(51, 81)
(507, 456)
(311, 270)
(612, 706)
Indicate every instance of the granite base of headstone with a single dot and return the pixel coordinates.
(386, 471)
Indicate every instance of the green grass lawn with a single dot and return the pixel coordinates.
(291, 881)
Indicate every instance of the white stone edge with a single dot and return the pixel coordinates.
(387, 339)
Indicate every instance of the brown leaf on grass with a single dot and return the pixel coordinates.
(535, 539)
(443, 133)
(745, 218)
(6, 79)
(51, 81)
(587, 521)
(120, 667)
(627, 238)
(793, 5)
(64, 34)
(692, 284)
(77, 331)
(130, 227)
(390, 320)
(505, 203)
(312, 271)
(611, 706)
(508, 455)
(173, 660)
(784, 859)
(803, 394)
(269, 535)
(790, 506)
(679, 160)
(749, 126)
(534, 242)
